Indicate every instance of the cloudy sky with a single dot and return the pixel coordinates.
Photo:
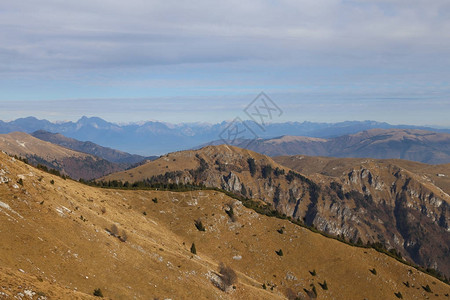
(186, 61)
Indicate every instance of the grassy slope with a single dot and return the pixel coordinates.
(51, 241)
(73, 163)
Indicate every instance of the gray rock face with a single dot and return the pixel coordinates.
(231, 183)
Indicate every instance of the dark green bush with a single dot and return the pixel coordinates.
(427, 288)
(324, 285)
(98, 293)
(198, 224)
(251, 166)
(193, 249)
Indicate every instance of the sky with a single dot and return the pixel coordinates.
(205, 61)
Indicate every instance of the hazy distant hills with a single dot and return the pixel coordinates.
(155, 138)
(109, 154)
(411, 144)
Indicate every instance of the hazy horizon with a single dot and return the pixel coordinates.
(140, 122)
(325, 61)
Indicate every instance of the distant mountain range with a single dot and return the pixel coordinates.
(411, 144)
(155, 138)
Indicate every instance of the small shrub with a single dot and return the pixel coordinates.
(313, 272)
(155, 200)
(427, 288)
(291, 295)
(266, 171)
(20, 181)
(114, 230)
(230, 212)
(312, 294)
(324, 285)
(314, 289)
(279, 252)
(251, 166)
(398, 295)
(406, 283)
(193, 250)
(373, 271)
(98, 293)
(52, 181)
(144, 213)
(228, 276)
(281, 230)
(199, 225)
(264, 286)
(124, 236)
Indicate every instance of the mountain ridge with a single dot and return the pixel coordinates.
(106, 153)
(69, 162)
(410, 144)
(153, 137)
(51, 227)
(362, 203)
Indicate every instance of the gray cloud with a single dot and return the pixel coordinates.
(47, 35)
(338, 53)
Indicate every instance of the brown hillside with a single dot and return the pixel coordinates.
(411, 144)
(18, 285)
(371, 202)
(56, 232)
(72, 163)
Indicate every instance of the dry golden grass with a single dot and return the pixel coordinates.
(57, 232)
(22, 144)
(186, 160)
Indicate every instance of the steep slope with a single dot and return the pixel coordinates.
(75, 164)
(18, 285)
(417, 145)
(372, 203)
(439, 175)
(62, 233)
(108, 154)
